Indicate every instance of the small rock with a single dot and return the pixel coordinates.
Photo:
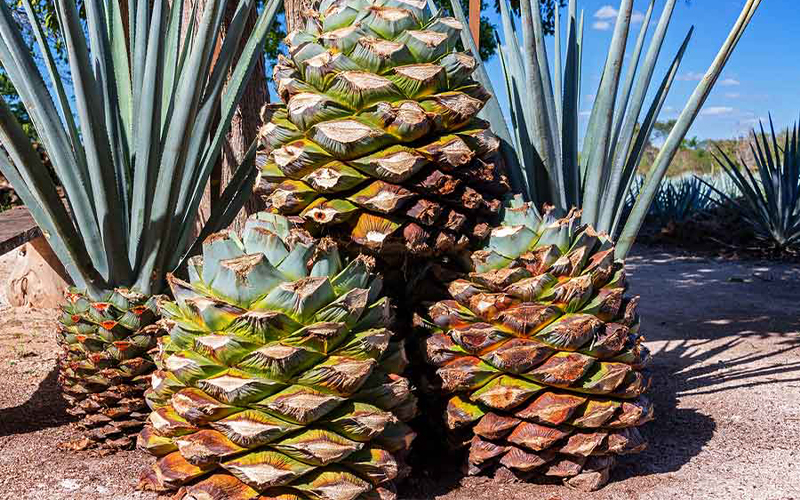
(69, 484)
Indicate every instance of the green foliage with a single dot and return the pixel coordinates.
(488, 42)
(45, 10)
(272, 44)
(8, 198)
(661, 129)
(46, 13)
(145, 105)
(770, 201)
(9, 93)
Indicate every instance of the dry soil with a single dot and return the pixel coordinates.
(726, 343)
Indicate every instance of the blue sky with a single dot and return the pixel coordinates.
(762, 75)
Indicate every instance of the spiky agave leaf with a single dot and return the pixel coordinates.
(134, 176)
(281, 375)
(770, 201)
(546, 165)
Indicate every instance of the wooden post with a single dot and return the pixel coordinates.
(475, 22)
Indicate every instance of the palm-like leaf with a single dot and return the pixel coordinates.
(770, 202)
(544, 160)
(146, 110)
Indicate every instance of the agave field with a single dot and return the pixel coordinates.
(438, 296)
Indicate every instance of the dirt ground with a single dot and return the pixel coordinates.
(726, 343)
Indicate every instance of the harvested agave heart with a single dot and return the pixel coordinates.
(280, 377)
(104, 365)
(538, 354)
(378, 143)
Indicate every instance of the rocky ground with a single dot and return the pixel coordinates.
(725, 336)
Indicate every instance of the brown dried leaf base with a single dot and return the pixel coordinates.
(582, 474)
(110, 419)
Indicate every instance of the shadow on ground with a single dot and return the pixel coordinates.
(44, 409)
(705, 318)
(681, 369)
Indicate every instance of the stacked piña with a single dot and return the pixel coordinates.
(539, 353)
(133, 158)
(279, 377)
(378, 143)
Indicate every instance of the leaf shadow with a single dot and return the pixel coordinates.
(45, 408)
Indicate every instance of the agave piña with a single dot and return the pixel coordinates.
(379, 144)
(280, 377)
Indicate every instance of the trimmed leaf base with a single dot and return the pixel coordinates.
(104, 365)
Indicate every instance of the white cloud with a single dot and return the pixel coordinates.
(716, 110)
(749, 123)
(690, 76)
(729, 82)
(607, 15)
(601, 25)
(606, 12)
(733, 95)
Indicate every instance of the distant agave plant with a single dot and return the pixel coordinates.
(133, 150)
(541, 147)
(678, 199)
(770, 200)
(723, 184)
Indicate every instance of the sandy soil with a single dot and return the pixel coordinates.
(726, 343)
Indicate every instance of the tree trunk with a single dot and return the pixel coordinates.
(294, 12)
(246, 120)
(245, 123)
